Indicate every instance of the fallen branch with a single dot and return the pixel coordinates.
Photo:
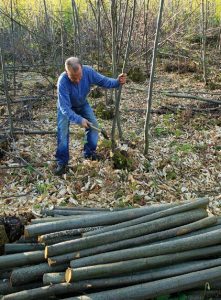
(185, 96)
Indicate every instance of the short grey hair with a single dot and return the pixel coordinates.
(73, 63)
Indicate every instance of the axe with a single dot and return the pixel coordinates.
(101, 130)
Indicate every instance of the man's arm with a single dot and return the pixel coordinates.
(103, 81)
(64, 104)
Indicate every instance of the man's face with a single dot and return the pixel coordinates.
(75, 76)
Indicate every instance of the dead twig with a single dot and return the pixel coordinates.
(24, 161)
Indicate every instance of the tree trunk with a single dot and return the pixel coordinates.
(6, 92)
(150, 91)
(118, 97)
(203, 47)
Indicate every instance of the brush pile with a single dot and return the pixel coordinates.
(92, 253)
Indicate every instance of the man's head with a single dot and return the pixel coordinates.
(73, 68)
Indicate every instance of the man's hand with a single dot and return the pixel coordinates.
(122, 78)
(85, 123)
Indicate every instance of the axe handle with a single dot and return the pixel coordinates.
(95, 128)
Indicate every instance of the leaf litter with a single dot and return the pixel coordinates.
(184, 160)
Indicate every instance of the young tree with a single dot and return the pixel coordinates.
(150, 91)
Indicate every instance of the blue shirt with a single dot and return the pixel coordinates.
(73, 95)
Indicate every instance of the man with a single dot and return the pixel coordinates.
(73, 87)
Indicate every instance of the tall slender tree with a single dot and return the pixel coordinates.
(150, 90)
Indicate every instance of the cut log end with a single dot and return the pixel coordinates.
(51, 262)
(46, 252)
(68, 275)
(40, 240)
(26, 233)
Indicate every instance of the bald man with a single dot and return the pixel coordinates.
(73, 87)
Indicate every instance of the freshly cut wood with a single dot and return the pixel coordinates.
(64, 258)
(160, 214)
(52, 278)
(122, 234)
(184, 244)
(86, 285)
(65, 233)
(21, 259)
(91, 221)
(7, 288)
(18, 248)
(28, 274)
(158, 287)
(145, 239)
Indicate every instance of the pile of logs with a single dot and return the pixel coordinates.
(139, 253)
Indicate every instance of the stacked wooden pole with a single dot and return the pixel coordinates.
(121, 254)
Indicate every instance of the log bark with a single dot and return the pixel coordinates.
(3, 235)
(23, 240)
(21, 259)
(34, 273)
(53, 278)
(145, 239)
(52, 219)
(153, 216)
(87, 285)
(67, 212)
(129, 266)
(42, 293)
(184, 244)
(81, 208)
(90, 221)
(146, 276)
(6, 288)
(122, 234)
(204, 230)
(65, 233)
(64, 258)
(60, 239)
(157, 288)
(18, 248)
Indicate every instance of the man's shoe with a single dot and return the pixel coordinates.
(94, 156)
(60, 170)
